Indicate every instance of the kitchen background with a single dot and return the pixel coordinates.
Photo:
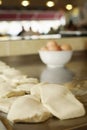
(28, 24)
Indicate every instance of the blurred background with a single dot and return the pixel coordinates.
(42, 17)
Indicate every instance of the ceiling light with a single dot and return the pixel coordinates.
(69, 6)
(25, 3)
(0, 2)
(50, 4)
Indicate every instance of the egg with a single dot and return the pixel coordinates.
(66, 47)
(44, 48)
(53, 46)
(51, 43)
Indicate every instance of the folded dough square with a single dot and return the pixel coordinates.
(28, 109)
(60, 101)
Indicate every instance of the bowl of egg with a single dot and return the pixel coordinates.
(55, 55)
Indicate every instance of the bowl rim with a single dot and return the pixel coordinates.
(45, 51)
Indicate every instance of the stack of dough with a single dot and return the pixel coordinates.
(12, 85)
(27, 100)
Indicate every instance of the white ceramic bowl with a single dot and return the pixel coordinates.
(55, 58)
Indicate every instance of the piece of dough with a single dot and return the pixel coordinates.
(22, 79)
(28, 109)
(25, 87)
(7, 90)
(3, 66)
(11, 72)
(5, 103)
(35, 90)
(61, 102)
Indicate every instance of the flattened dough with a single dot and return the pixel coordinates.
(7, 90)
(28, 109)
(61, 102)
(25, 87)
(11, 72)
(5, 103)
(22, 79)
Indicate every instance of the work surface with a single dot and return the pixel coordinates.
(32, 66)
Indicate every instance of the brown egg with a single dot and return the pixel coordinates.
(66, 47)
(53, 46)
(44, 48)
(51, 43)
(58, 47)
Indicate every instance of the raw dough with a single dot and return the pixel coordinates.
(5, 103)
(61, 102)
(28, 109)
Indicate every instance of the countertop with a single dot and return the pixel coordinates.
(33, 67)
(75, 70)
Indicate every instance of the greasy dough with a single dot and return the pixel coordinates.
(22, 79)
(45, 99)
(6, 90)
(25, 87)
(61, 102)
(28, 109)
(5, 103)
